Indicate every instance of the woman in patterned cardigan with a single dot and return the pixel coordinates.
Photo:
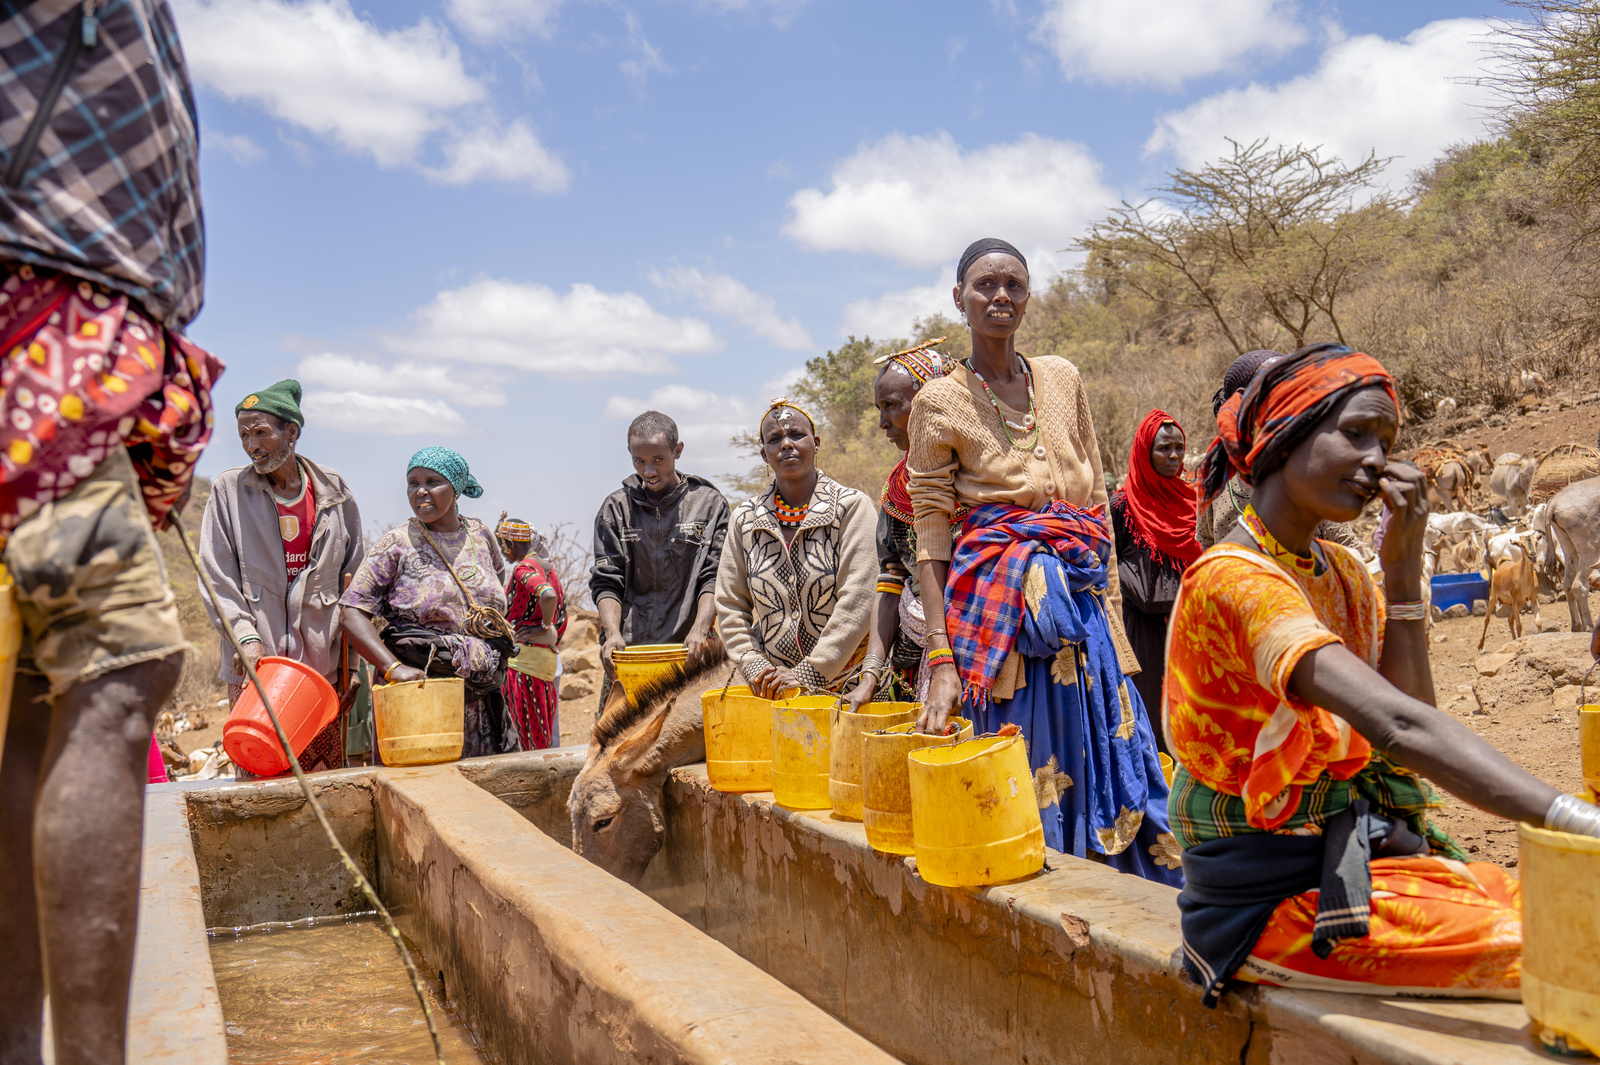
(796, 583)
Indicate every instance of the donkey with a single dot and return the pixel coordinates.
(640, 737)
(1575, 521)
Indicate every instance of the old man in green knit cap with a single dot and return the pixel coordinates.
(279, 539)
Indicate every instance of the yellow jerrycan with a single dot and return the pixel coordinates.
(800, 747)
(1561, 935)
(421, 722)
(639, 665)
(974, 812)
(738, 739)
(886, 784)
(10, 645)
(1589, 749)
(844, 765)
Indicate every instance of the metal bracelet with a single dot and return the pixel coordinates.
(1571, 814)
(1414, 610)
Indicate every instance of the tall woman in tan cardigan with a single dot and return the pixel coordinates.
(1027, 583)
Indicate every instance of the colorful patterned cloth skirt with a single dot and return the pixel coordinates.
(531, 711)
(1439, 928)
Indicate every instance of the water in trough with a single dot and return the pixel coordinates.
(328, 990)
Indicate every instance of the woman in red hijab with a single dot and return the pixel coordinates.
(1152, 516)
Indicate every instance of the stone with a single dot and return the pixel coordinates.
(579, 685)
(1489, 665)
(1479, 608)
(1496, 421)
(1459, 610)
(586, 660)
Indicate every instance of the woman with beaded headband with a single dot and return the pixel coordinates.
(794, 587)
(1300, 709)
(1025, 583)
(896, 646)
(536, 607)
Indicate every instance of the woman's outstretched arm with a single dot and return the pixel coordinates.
(1417, 736)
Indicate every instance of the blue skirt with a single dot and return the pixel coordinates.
(1092, 751)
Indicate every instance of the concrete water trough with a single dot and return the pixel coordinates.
(760, 935)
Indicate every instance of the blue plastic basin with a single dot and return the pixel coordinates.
(1463, 588)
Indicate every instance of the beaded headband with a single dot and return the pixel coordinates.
(921, 362)
(781, 402)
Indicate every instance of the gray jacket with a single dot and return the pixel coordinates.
(242, 552)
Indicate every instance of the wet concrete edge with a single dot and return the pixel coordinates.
(174, 1013)
(553, 960)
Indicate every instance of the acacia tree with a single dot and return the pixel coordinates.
(1265, 241)
(1550, 81)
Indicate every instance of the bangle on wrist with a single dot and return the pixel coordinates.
(390, 670)
(1571, 814)
(941, 656)
(1414, 610)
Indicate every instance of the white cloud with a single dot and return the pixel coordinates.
(319, 65)
(512, 154)
(1409, 98)
(343, 373)
(584, 333)
(729, 298)
(920, 200)
(890, 315)
(1165, 42)
(638, 69)
(490, 19)
(236, 146)
(364, 413)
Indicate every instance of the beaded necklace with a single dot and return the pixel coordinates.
(1029, 421)
(1310, 564)
(789, 515)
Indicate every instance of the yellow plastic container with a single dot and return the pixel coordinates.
(886, 783)
(1561, 934)
(1589, 746)
(845, 746)
(738, 739)
(1168, 768)
(974, 813)
(420, 722)
(639, 665)
(800, 747)
(10, 644)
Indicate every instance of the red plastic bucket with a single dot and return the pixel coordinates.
(305, 703)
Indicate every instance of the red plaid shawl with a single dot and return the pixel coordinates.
(983, 596)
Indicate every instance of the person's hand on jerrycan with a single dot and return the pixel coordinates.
(613, 643)
(861, 694)
(403, 673)
(944, 695)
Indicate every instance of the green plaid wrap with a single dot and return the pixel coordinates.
(1200, 813)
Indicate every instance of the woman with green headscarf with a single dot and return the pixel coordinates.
(438, 582)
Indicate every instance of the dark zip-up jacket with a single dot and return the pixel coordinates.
(657, 559)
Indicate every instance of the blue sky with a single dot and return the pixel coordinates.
(508, 226)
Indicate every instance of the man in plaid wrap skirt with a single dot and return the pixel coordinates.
(104, 409)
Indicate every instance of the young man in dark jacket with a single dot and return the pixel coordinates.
(657, 542)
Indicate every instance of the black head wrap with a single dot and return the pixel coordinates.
(1241, 372)
(987, 246)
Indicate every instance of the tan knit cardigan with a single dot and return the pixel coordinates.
(806, 604)
(960, 457)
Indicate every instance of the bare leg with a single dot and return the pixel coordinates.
(21, 964)
(88, 829)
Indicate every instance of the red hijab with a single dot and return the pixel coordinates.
(1159, 510)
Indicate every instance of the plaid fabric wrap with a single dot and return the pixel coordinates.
(1200, 813)
(111, 190)
(984, 597)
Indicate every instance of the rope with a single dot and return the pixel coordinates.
(311, 800)
(484, 622)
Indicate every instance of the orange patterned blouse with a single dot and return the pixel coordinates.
(1240, 625)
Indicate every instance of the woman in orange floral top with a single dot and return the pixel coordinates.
(1299, 705)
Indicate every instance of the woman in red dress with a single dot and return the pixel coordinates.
(537, 609)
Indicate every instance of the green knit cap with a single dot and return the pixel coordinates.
(282, 399)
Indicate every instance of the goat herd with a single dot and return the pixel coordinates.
(1513, 542)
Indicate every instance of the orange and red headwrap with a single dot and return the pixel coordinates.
(1256, 429)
